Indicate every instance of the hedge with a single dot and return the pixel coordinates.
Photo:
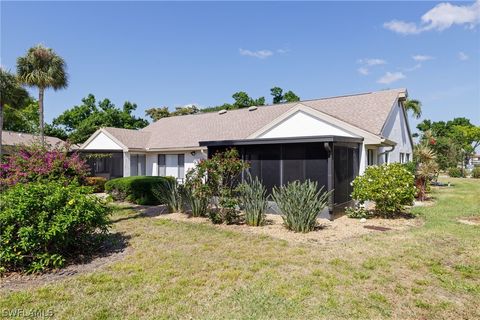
(136, 189)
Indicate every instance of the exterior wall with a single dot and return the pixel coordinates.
(396, 129)
(102, 142)
(190, 161)
(126, 164)
(301, 124)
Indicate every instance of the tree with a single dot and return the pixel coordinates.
(41, 67)
(279, 97)
(81, 121)
(414, 106)
(162, 112)
(243, 100)
(21, 118)
(11, 95)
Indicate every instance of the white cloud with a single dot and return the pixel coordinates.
(282, 51)
(440, 17)
(372, 62)
(420, 57)
(364, 71)
(415, 67)
(391, 77)
(261, 54)
(463, 56)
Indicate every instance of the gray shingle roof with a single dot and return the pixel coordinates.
(11, 138)
(367, 111)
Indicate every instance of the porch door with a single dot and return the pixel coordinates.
(171, 165)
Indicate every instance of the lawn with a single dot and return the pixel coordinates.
(178, 269)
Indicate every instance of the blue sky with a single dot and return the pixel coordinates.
(172, 54)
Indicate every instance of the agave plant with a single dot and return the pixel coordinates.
(300, 204)
(195, 201)
(254, 200)
(170, 195)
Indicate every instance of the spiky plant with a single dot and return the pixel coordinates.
(254, 200)
(300, 204)
(170, 195)
(195, 201)
(427, 168)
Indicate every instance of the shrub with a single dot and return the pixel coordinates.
(358, 213)
(455, 172)
(216, 178)
(136, 189)
(170, 194)
(36, 163)
(300, 204)
(195, 201)
(390, 186)
(254, 201)
(476, 173)
(44, 223)
(97, 183)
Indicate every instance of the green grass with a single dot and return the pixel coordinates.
(183, 270)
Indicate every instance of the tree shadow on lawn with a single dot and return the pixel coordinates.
(142, 212)
(107, 248)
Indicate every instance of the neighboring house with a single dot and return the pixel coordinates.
(12, 140)
(328, 140)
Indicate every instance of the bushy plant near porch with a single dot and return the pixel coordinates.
(300, 204)
(44, 223)
(136, 189)
(390, 186)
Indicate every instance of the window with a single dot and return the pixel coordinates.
(161, 165)
(408, 156)
(370, 161)
(172, 165)
(402, 157)
(137, 164)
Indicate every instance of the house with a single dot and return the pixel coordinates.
(329, 140)
(12, 140)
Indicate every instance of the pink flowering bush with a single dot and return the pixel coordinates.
(36, 163)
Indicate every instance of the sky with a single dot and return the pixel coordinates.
(178, 53)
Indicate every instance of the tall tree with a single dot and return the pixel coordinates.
(11, 94)
(279, 97)
(413, 106)
(41, 67)
(81, 121)
(157, 113)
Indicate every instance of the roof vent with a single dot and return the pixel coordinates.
(252, 108)
(223, 111)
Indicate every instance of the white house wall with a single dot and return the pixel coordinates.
(396, 129)
(102, 142)
(301, 124)
(190, 161)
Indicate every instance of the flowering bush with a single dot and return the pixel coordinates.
(390, 186)
(38, 163)
(44, 223)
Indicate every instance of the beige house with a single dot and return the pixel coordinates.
(328, 140)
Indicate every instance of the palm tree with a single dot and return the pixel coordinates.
(11, 93)
(41, 67)
(415, 106)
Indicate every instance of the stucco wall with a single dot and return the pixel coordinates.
(396, 130)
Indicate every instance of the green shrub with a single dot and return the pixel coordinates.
(411, 167)
(476, 173)
(97, 183)
(195, 202)
(136, 189)
(455, 172)
(170, 194)
(300, 204)
(253, 198)
(42, 224)
(390, 186)
(358, 213)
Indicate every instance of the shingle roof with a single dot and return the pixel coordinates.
(11, 138)
(367, 111)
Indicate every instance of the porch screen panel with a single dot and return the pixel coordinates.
(316, 164)
(134, 165)
(265, 164)
(346, 168)
(116, 165)
(142, 164)
(293, 163)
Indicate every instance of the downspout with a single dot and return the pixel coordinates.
(385, 152)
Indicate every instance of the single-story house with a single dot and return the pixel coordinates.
(328, 140)
(12, 140)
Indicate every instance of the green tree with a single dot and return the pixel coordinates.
(243, 100)
(22, 118)
(12, 95)
(41, 67)
(413, 106)
(279, 97)
(157, 113)
(83, 120)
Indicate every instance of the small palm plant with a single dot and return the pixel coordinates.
(300, 204)
(254, 200)
(427, 168)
